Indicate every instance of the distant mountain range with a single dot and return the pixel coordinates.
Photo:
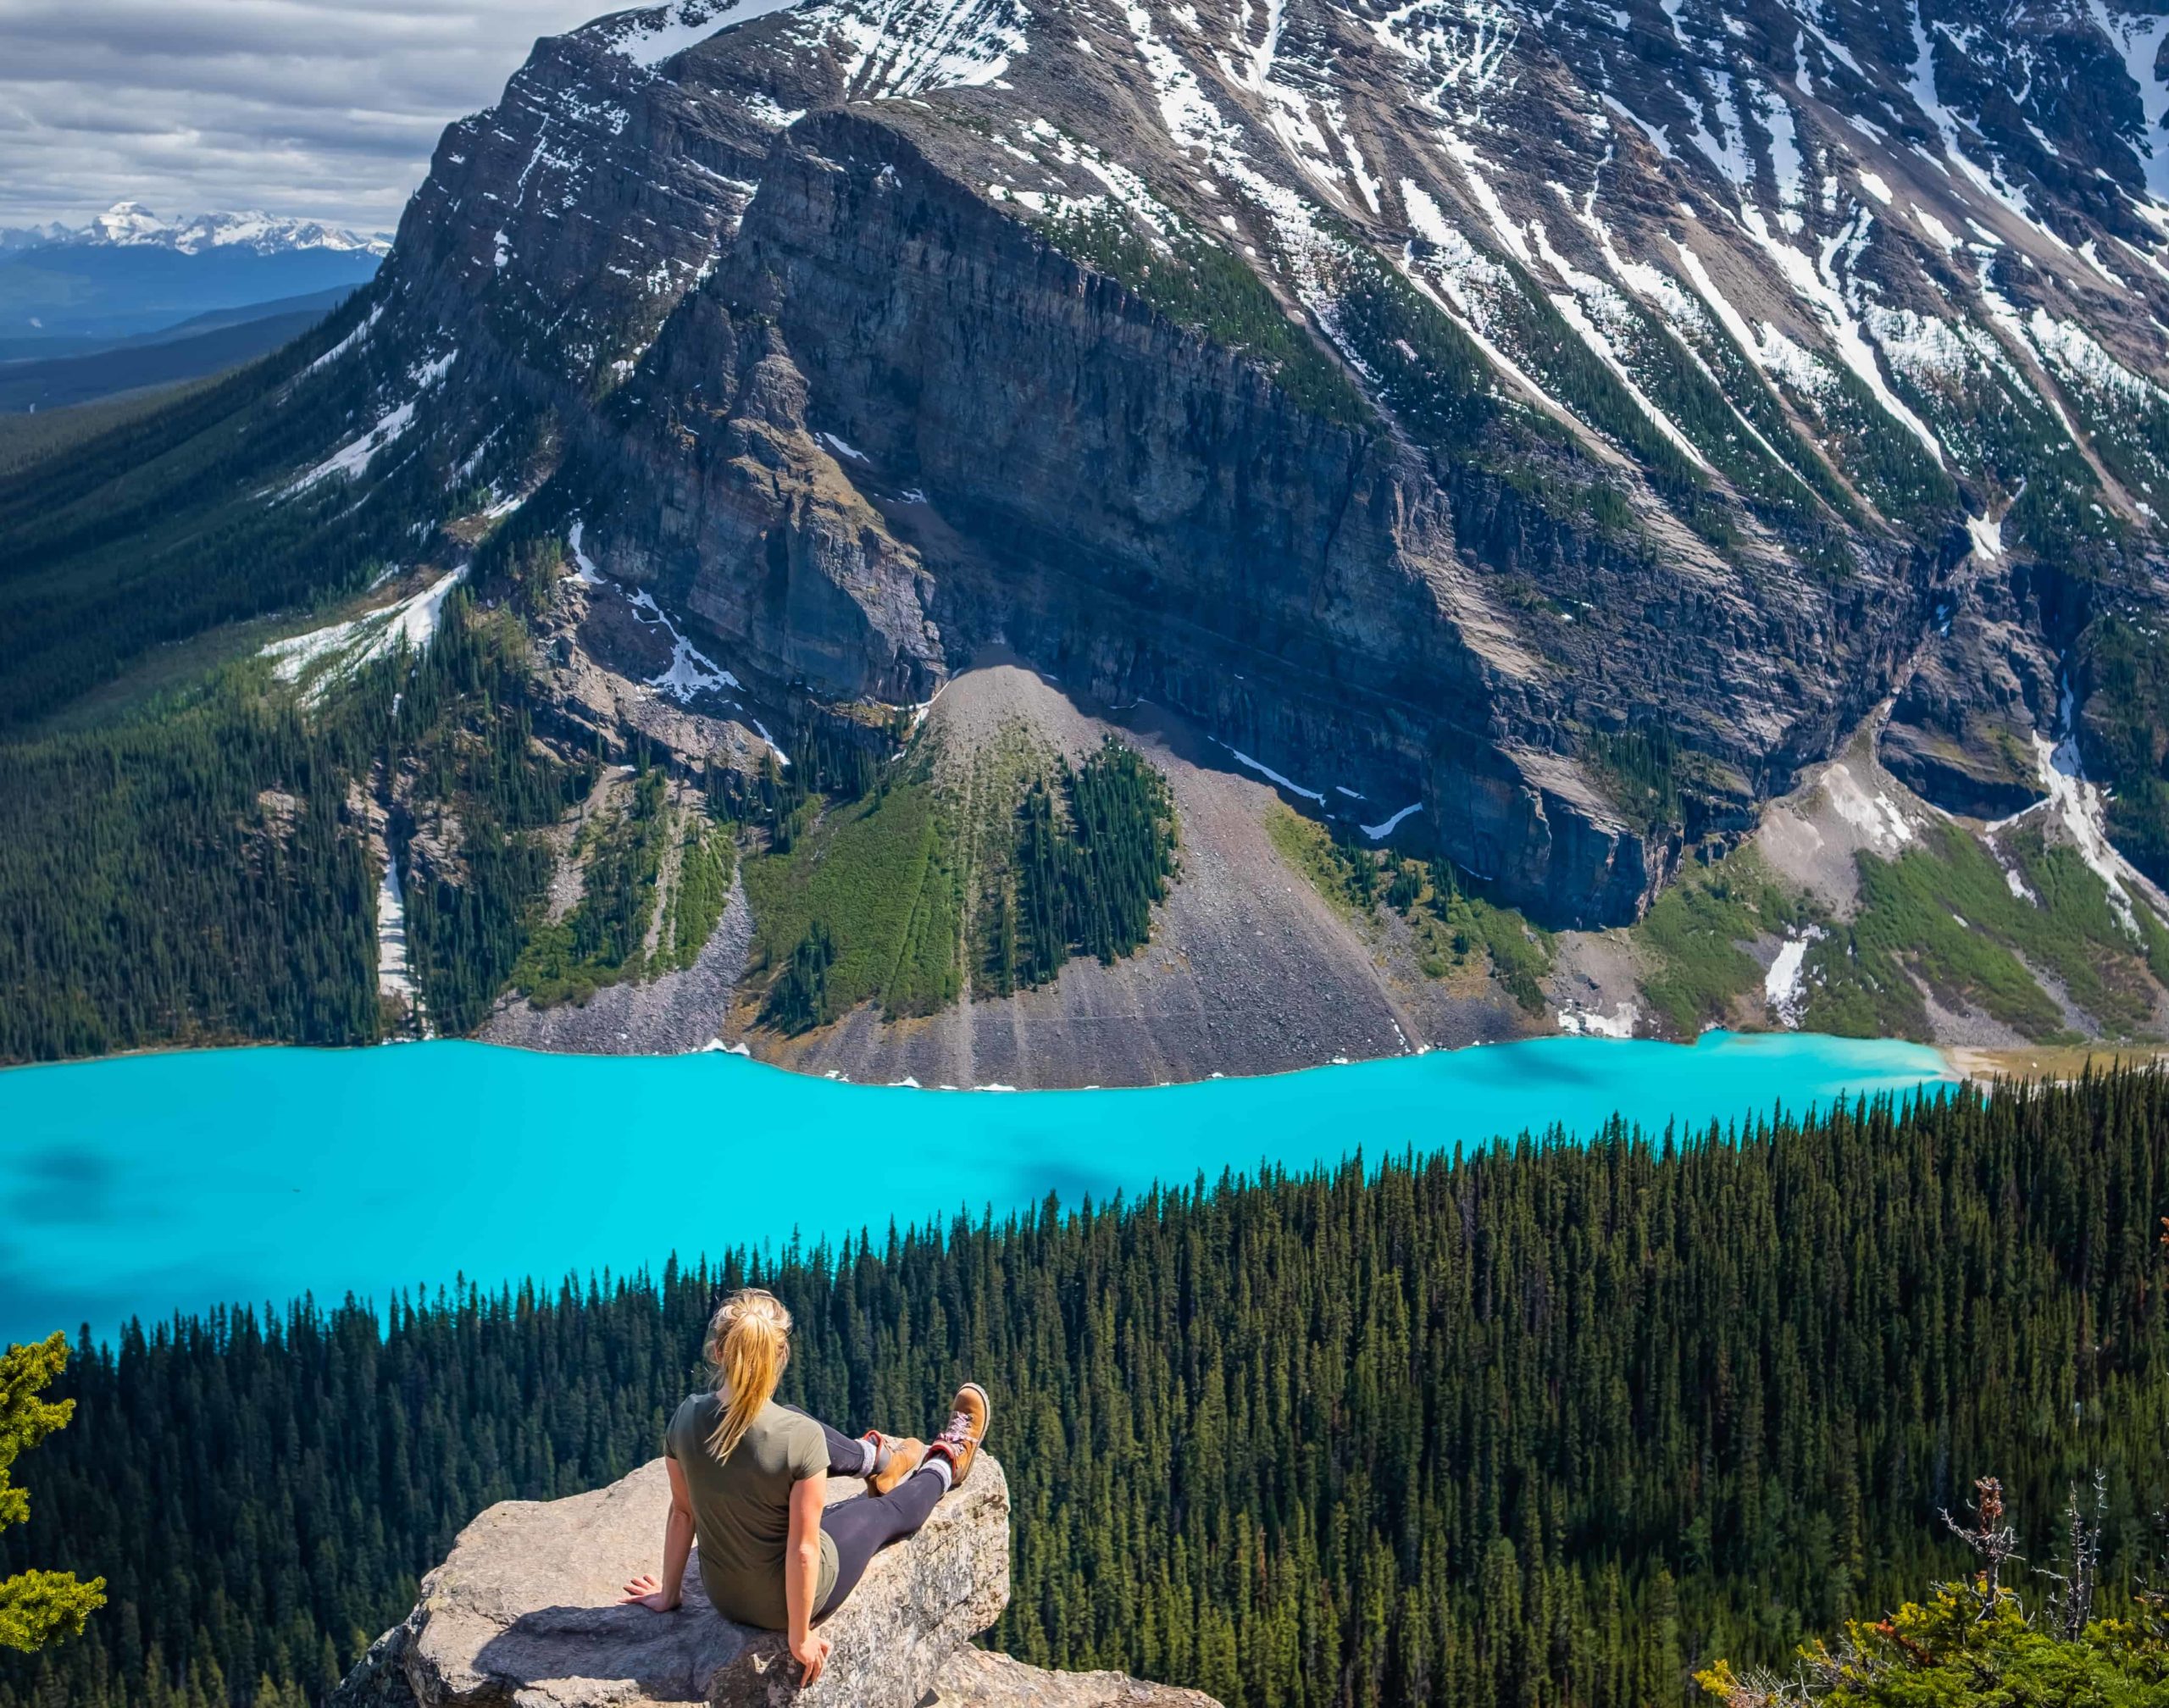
(131, 225)
(70, 291)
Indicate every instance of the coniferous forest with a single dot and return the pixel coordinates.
(1550, 1424)
(1086, 878)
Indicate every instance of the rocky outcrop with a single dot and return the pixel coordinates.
(977, 1679)
(1134, 505)
(524, 1613)
(747, 520)
(1960, 733)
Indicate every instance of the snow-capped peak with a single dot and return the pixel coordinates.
(126, 222)
(131, 225)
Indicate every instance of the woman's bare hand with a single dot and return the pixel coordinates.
(649, 1594)
(812, 1655)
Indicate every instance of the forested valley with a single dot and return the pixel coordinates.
(1552, 1423)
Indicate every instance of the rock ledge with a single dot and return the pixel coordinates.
(523, 1614)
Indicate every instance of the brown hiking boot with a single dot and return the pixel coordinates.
(904, 1454)
(959, 1443)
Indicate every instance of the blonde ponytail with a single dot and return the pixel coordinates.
(749, 1344)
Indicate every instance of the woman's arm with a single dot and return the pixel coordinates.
(677, 1543)
(802, 1576)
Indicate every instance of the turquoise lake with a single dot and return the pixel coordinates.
(154, 1184)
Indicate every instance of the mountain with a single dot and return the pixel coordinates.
(71, 292)
(1534, 442)
(130, 224)
(1490, 424)
(29, 237)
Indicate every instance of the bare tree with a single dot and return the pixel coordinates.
(2071, 1603)
(1989, 1537)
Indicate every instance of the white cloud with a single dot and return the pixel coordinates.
(325, 109)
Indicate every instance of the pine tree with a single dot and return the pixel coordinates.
(36, 1606)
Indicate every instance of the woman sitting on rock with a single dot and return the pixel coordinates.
(748, 1476)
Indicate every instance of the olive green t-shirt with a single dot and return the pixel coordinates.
(741, 1508)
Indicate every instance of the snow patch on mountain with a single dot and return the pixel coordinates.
(1784, 986)
(2138, 41)
(1461, 48)
(1876, 816)
(1768, 348)
(352, 460)
(650, 36)
(342, 650)
(1816, 284)
(1379, 832)
(1267, 772)
(1453, 276)
(353, 341)
(2074, 355)
(1577, 1020)
(903, 49)
(693, 672)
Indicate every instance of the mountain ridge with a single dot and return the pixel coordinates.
(741, 79)
(130, 224)
(1536, 447)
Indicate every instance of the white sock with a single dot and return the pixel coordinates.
(872, 1457)
(938, 1463)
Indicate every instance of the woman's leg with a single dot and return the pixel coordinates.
(846, 1457)
(862, 1528)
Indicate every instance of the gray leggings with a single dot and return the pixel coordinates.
(863, 1527)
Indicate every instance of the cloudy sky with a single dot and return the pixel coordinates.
(323, 109)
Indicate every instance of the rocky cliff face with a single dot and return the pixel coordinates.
(1446, 405)
(523, 1614)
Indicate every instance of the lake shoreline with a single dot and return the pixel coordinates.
(145, 1185)
(2059, 1063)
(1961, 1062)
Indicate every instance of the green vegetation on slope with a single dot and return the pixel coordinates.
(1946, 911)
(173, 523)
(1643, 768)
(1543, 1424)
(2125, 669)
(184, 857)
(32, 438)
(1205, 287)
(1881, 456)
(706, 858)
(1096, 849)
(604, 937)
(1447, 924)
(1436, 381)
(1993, 425)
(467, 716)
(1693, 934)
(199, 871)
(864, 906)
(188, 875)
(1981, 1641)
(882, 898)
(1438, 384)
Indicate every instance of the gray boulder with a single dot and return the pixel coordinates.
(524, 1614)
(974, 1679)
